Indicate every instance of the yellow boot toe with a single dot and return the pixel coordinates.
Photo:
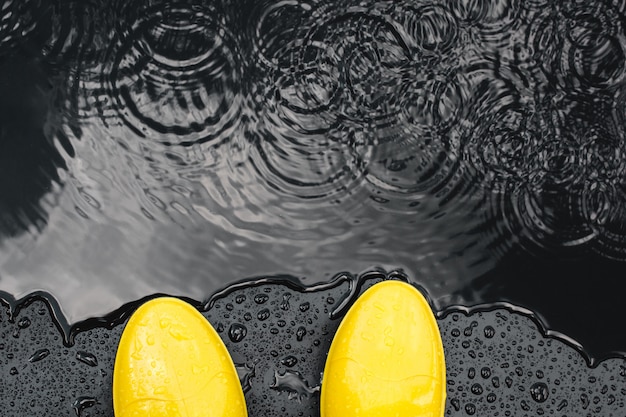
(170, 362)
(386, 359)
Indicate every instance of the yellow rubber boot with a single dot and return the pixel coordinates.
(386, 359)
(171, 363)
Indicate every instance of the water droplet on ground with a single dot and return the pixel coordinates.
(237, 332)
(87, 358)
(82, 403)
(294, 384)
(39, 355)
(539, 392)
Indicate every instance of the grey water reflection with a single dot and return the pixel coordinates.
(205, 141)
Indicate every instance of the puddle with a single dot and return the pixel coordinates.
(303, 137)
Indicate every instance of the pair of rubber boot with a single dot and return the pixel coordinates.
(386, 360)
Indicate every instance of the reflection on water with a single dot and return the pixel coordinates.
(28, 161)
(183, 145)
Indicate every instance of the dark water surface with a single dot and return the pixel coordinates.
(178, 146)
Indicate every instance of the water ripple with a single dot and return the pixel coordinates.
(20, 20)
(441, 127)
(495, 20)
(580, 47)
(75, 37)
(433, 27)
(175, 75)
(279, 29)
(286, 189)
(307, 168)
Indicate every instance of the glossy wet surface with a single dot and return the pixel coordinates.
(500, 361)
(177, 146)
